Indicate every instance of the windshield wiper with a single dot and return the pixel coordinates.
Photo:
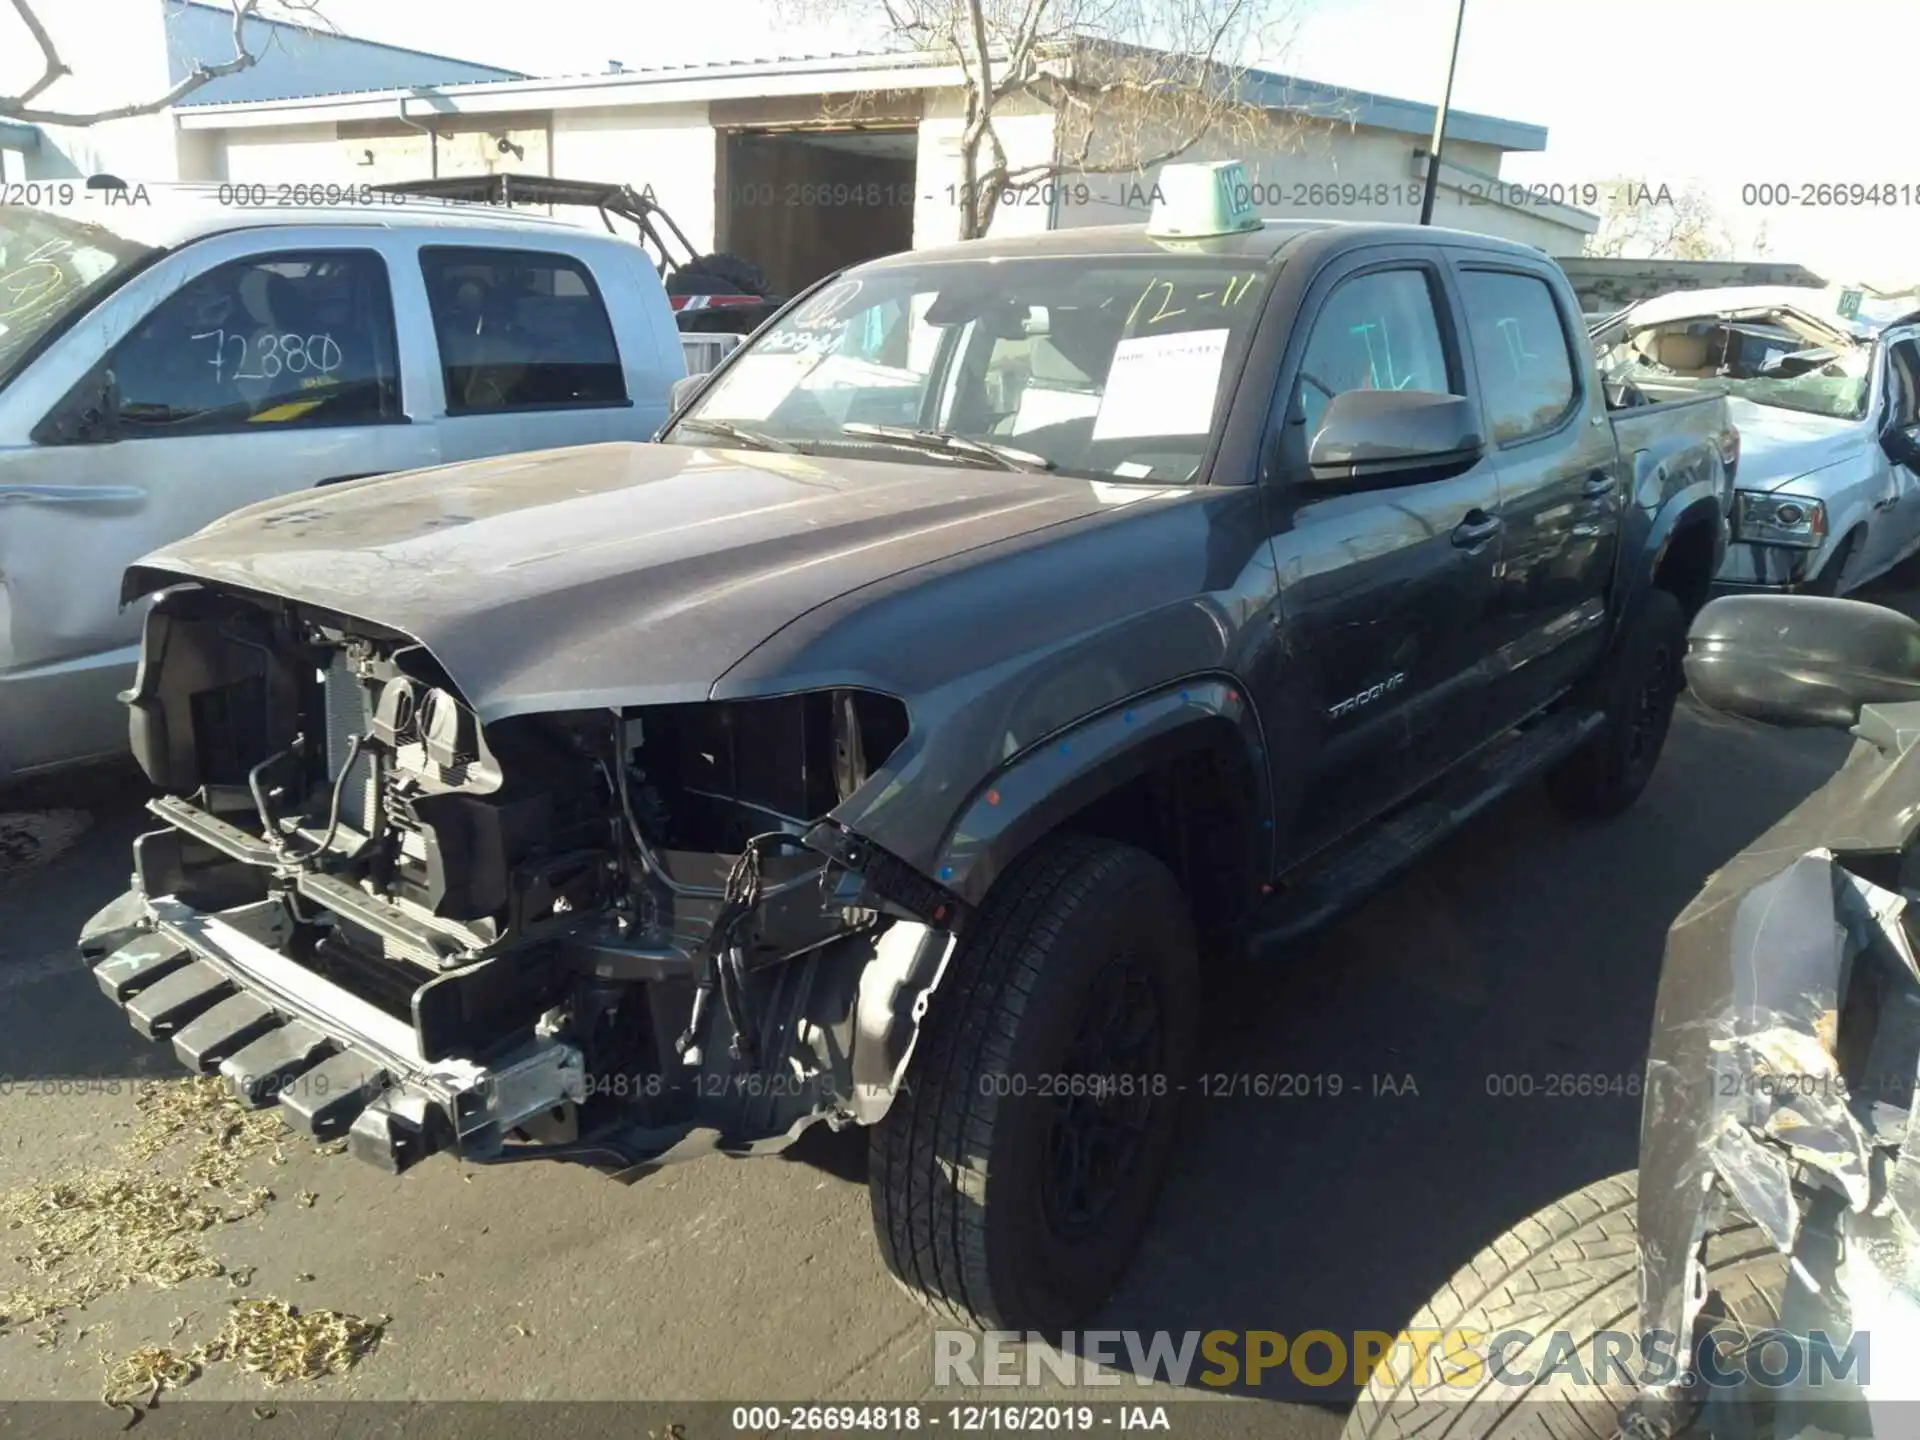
(753, 439)
(945, 441)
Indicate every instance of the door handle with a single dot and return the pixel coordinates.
(1478, 528)
(1597, 484)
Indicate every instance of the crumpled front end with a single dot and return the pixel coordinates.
(617, 936)
(1781, 1077)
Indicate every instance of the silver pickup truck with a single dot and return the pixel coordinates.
(163, 363)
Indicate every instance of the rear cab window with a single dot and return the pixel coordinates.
(520, 330)
(283, 339)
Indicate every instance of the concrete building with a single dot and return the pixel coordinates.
(129, 51)
(803, 163)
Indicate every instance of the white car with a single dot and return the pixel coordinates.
(1828, 411)
(163, 364)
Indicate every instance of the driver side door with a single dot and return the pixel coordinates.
(1388, 587)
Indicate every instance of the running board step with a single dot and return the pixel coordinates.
(1335, 883)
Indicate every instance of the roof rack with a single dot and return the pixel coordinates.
(635, 206)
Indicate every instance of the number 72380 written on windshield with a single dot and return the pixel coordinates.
(271, 356)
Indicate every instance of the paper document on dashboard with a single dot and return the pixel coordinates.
(1162, 385)
(756, 386)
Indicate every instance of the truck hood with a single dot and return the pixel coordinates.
(621, 574)
(1778, 446)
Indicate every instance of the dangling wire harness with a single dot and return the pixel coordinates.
(724, 961)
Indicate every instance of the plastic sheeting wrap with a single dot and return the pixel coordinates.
(1786, 1045)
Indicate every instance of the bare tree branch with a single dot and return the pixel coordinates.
(21, 107)
(1131, 84)
(1640, 223)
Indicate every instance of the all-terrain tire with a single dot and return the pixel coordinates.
(1636, 689)
(1573, 1267)
(718, 273)
(971, 1174)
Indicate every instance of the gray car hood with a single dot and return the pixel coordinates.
(620, 574)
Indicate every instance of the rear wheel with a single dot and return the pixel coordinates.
(1572, 1268)
(1636, 690)
(1013, 1177)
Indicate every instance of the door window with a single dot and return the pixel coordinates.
(269, 342)
(520, 330)
(1523, 352)
(1376, 332)
(1903, 388)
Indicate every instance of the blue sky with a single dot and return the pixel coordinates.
(1719, 93)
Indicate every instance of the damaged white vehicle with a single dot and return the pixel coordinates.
(1759, 1275)
(1829, 418)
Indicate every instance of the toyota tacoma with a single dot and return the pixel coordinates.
(1000, 630)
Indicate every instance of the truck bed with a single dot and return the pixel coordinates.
(1654, 438)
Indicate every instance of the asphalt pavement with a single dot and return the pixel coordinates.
(1527, 948)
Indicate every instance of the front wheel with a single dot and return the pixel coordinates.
(1635, 689)
(1016, 1171)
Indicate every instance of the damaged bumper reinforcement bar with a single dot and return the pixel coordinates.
(235, 998)
(335, 1064)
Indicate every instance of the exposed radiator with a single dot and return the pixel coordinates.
(349, 706)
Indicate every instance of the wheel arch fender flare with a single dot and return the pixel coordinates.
(1700, 505)
(1034, 791)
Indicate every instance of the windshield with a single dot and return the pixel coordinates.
(1758, 360)
(1096, 367)
(50, 269)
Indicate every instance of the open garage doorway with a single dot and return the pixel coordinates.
(803, 203)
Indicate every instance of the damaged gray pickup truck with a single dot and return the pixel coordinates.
(999, 630)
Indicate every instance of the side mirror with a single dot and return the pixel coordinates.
(683, 390)
(1801, 660)
(90, 415)
(1381, 434)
